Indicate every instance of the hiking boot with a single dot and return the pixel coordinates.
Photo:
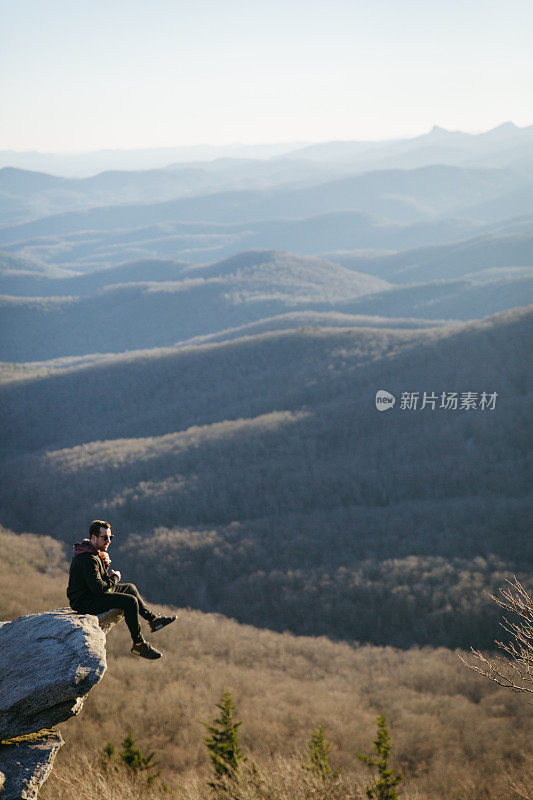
(145, 650)
(159, 622)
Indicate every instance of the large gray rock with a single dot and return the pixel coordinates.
(48, 663)
(26, 762)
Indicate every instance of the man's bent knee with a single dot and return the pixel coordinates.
(127, 602)
(127, 588)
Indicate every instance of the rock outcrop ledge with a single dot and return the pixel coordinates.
(48, 664)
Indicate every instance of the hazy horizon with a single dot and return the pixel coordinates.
(135, 76)
(282, 143)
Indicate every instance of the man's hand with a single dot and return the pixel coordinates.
(115, 572)
(105, 558)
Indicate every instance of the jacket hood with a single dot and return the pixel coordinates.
(84, 547)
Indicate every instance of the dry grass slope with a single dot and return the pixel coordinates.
(454, 735)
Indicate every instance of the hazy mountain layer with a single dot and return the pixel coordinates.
(182, 302)
(457, 259)
(241, 290)
(206, 242)
(500, 245)
(404, 196)
(26, 195)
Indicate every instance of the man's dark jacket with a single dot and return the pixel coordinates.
(88, 576)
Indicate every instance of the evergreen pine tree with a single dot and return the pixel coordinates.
(134, 759)
(318, 754)
(223, 744)
(384, 787)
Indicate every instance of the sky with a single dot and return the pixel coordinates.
(80, 76)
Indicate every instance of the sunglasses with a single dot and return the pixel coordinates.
(107, 537)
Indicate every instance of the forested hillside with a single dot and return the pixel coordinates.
(288, 500)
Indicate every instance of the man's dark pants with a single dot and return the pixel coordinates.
(124, 596)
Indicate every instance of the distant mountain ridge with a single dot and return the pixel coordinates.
(89, 164)
(29, 195)
(494, 147)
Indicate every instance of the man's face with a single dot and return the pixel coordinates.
(103, 539)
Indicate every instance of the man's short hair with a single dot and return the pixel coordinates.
(94, 527)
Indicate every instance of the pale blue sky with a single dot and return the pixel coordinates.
(80, 75)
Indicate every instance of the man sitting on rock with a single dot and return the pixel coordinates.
(94, 589)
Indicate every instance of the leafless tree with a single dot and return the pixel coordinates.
(514, 670)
